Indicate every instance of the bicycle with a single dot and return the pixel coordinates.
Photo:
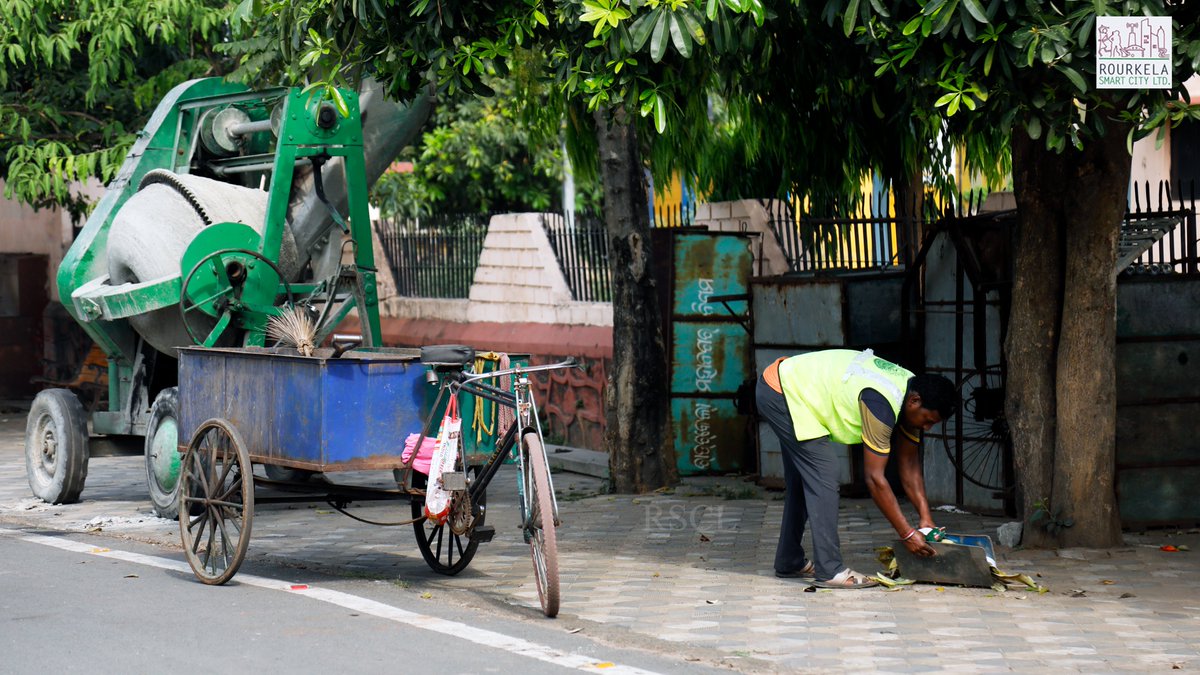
(535, 487)
(231, 390)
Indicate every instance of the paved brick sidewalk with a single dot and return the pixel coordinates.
(694, 568)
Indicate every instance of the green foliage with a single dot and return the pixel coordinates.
(1047, 519)
(656, 58)
(1000, 65)
(479, 156)
(77, 79)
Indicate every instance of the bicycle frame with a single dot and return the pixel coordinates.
(521, 400)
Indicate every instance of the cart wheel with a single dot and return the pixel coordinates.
(981, 428)
(56, 446)
(448, 548)
(543, 542)
(216, 487)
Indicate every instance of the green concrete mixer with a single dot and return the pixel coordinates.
(231, 204)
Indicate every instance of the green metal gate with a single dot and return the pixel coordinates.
(709, 348)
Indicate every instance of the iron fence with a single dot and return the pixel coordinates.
(674, 215)
(581, 245)
(435, 256)
(868, 235)
(1176, 251)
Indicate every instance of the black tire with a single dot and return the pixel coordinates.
(288, 474)
(445, 551)
(217, 486)
(56, 446)
(540, 526)
(162, 453)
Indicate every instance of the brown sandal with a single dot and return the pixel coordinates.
(847, 578)
(809, 571)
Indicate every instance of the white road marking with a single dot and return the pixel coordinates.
(456, 629)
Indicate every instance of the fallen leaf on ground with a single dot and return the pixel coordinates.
(1108, 582)
(131, 576)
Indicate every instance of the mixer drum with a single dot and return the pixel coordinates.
(152, 230)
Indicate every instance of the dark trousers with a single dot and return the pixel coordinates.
(810, 474)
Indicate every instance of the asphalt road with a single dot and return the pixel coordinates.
(80, 604)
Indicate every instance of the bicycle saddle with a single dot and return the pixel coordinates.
(447, 355)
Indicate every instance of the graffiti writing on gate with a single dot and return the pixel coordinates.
(705, 372)
(705, 442)
(703, 294)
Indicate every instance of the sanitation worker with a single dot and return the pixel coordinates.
(819, 401)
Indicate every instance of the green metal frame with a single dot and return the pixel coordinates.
(170, 141)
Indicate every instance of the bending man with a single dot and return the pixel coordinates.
(816, 401)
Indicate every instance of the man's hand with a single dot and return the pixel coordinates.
(917, 545)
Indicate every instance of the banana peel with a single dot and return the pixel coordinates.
(889, 576)
(1005, 579)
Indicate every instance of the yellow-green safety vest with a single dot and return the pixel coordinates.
(822, 390)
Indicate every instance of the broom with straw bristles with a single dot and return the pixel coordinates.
(294, 328)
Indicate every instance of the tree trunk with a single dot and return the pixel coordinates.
(1085, 447)
(1032, 341)
(1061, 345)
(637, 404)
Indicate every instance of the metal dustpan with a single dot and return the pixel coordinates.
(962, 559)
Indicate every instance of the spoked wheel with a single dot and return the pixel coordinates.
(216, 487)
(539, 524)
(448, 547)
(977, 440)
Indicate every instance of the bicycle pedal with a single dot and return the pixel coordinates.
(483, 534)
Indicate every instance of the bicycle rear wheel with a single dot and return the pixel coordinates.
(539, 524)
(449, 547)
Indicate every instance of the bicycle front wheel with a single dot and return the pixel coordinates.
(539, 524)
(977, 440)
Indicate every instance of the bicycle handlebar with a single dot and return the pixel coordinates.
(473, 377)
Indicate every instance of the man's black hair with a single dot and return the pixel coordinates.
(937, 393)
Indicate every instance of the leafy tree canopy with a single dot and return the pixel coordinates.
(989, 67)
(479, 155)
(79, 77)
(657, 59)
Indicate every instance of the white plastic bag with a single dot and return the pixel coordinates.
(445, 456)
